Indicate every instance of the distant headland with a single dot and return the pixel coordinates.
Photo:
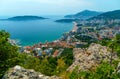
(65, 20)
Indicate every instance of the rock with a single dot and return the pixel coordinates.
(91, 57)
(19, 72)
(17, 67)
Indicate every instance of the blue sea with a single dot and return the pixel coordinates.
(36, 31)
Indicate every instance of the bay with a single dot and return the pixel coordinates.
(35, 31)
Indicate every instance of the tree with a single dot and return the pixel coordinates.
(67, 55)
(118, 44)
(75, 73)
(8, 53)
(114, 44)
(61, 66)
(6, 49)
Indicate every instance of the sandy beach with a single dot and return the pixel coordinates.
(75, 27)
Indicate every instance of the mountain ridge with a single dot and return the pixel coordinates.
(85, 14)
(108, 15)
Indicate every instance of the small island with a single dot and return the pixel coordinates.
(25, 18)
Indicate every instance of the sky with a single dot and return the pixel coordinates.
(55, 7)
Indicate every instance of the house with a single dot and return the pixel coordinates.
(55, 53)
(38, 51)
(48, 51)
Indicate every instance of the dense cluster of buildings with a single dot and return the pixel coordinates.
(99, 28)
(54, 48)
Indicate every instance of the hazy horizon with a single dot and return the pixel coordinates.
(53, 7)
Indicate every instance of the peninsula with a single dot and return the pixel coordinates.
(65, 20)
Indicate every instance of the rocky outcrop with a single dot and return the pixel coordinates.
(19, 72)
(91, 57)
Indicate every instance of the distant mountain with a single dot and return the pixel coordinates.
(65, 20)
(84, 14)
(24, 18)
(107, 15)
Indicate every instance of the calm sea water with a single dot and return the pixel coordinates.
(33, 32)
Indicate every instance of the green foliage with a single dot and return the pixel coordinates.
(118, 44)
(108, 15)
(9, 57)
(6, 49)
(74, 74)
(67, 55)
(87, 39)
(84, 38)
(48, 66)
(103, 71)
(105, 41)
(61, 66)
(8, 53)
(114, 43)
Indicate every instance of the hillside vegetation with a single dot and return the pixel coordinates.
(108, 15)
(10, 57)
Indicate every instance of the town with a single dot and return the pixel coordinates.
(83, 34)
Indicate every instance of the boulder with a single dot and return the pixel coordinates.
(91, 57)
(19, 72)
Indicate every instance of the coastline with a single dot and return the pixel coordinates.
(75, 27)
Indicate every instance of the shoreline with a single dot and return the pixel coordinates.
(75, 27)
